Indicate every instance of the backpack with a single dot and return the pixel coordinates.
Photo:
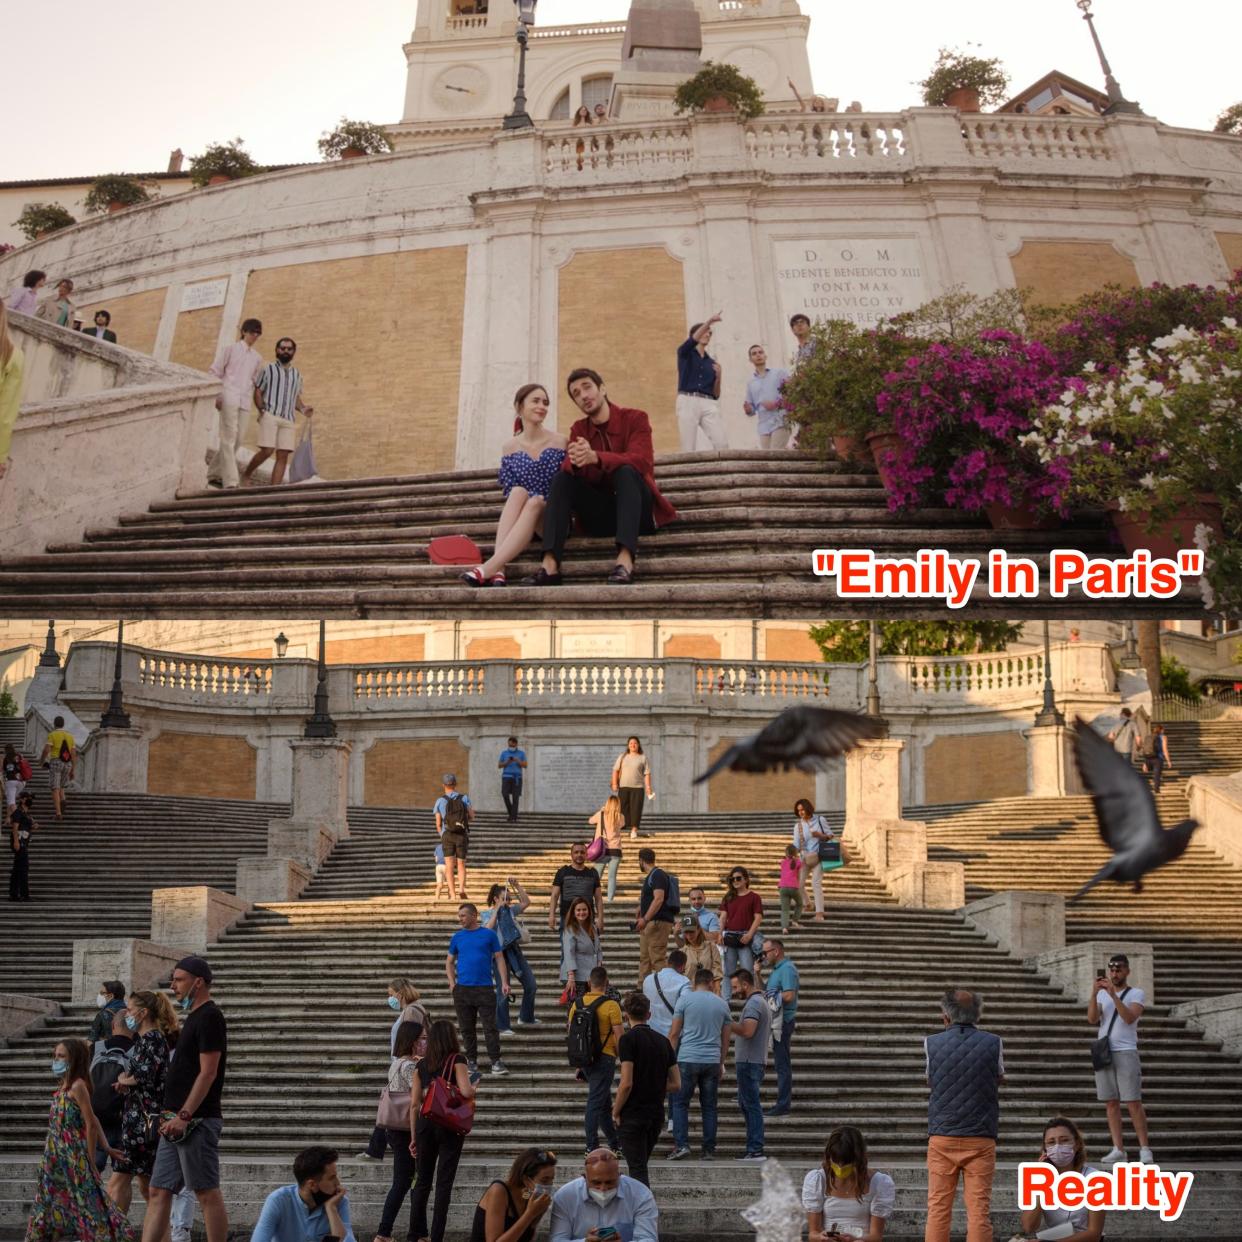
(456, 815)
(584, 1044)
(23, 769)
(65, 753)
(106, 1068)
(672, 901)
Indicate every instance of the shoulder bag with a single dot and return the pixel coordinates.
(444, 1105)
(1101, 1049)
(393, 1112)
(598, 847)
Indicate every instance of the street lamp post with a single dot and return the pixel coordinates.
(321, 723)
(1117, 102)
(116, 717)
(519, 118)
(1049, 714)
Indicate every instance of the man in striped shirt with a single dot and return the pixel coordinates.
(277, 395)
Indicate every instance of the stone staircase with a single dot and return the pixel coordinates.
(359, 549)
(1190, 911)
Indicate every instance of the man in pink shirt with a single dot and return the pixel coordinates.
(238, 366)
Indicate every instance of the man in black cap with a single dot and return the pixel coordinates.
(188, 1154)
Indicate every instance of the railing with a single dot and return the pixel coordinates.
(565, 32)
(588, 678)
(1226, 705)
(476, 21)
(844, 137)
(1039, 138)
(761, 681)
(979, 674)
(201, 675)
(419, 681)
(625, 153)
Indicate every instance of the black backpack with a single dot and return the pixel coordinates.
(584, 1044)
(107, 1102)
(456, 814)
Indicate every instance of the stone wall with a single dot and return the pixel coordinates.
(974, 767)
(136, 317)
(197, 337)
(408, 771)
(201, 765)
(1058, 272)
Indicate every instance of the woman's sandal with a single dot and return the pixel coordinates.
(474, 577)
(498, 580)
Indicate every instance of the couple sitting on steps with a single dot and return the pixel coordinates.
(604, 476)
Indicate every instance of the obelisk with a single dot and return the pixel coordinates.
(663, 47)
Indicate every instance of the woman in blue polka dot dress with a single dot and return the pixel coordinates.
(529, 463)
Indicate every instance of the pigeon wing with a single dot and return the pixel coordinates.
(1125, 810)
(741, 757)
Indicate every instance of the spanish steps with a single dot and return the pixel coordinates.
(303, 984)
(359, 549)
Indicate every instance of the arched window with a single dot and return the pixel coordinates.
(560, 109)
(596, 91)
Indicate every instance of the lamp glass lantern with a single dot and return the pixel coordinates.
(281, 643)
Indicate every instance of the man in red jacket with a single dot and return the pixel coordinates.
(607, 482)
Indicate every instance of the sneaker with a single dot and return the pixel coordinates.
(751, 1157)
(507, 1031)
(180, 1235)
(1145, 1156)
(366, 1155)
(1114, 1157)
(532, 1022)
(773, 1111)
(707, 1155)
(678, 1153)
(499, 1070)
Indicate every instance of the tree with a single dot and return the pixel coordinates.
(1230, 121)
(8, 704)
(848, 642)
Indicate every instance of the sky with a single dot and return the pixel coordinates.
(117, 87)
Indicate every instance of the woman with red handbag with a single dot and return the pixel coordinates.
(441, 1114)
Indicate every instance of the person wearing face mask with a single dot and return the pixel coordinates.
(69, 1200)
(403, 1000)
(604, 1204)
(111, 1001)
(277, 396)
(510, 1211)
(188, 1153)
(315, 1208)
(1063, 1148)
(397, 1131)
(109, 1062)
(147, 1017)
(843, 1198)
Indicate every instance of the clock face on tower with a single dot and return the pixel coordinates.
(460, 88)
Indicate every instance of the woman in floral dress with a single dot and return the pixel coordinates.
(150, 1017)
(69, 1202)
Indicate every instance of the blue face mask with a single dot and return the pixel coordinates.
(131, 1023)
(394, 1002)
(184, 1002)
(59, 1067)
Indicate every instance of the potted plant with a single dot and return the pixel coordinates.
(968, 83)
(351, 140)
(962, 417)
(39, 219)
(720, 87)
(221, 162)
(1153, 442)
(113, 194)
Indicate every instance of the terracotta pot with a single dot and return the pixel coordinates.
(718, 103)
(1020, 517)
(881, 443)
(114, 207)
(43, 234)
(352, 153)
(219, 179)
(849, 448)
(964, 99)
(1172, 535)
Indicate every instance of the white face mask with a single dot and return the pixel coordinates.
(101, 1000)
(603, 1197)
(1061, 1154)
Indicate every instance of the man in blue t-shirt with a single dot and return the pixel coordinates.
(783, 978)
(700, 1036)
(468, 966)
(512, 764)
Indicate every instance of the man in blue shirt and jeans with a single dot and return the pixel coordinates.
(512, 765)
(468, 966)
(700, 1036)
(782, 978)
(314, 1209)
(698, 390)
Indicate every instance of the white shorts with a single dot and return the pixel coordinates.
(277, 433)
(11, 790)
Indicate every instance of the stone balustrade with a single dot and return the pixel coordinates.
(620, 152)
(1005, 137)
(907, 685)
(577, 32)
(851, 139)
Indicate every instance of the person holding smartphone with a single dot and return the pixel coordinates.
(510, 1210)
(604, 1204)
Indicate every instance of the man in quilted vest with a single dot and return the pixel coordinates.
(965, 1067)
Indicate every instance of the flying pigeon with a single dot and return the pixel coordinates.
(1126, 813)
(800, 737)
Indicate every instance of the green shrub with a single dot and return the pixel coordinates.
(719, 79)
(361, 135)
(109, 190)
(955, 70)
(39, 218)
(222, 159)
